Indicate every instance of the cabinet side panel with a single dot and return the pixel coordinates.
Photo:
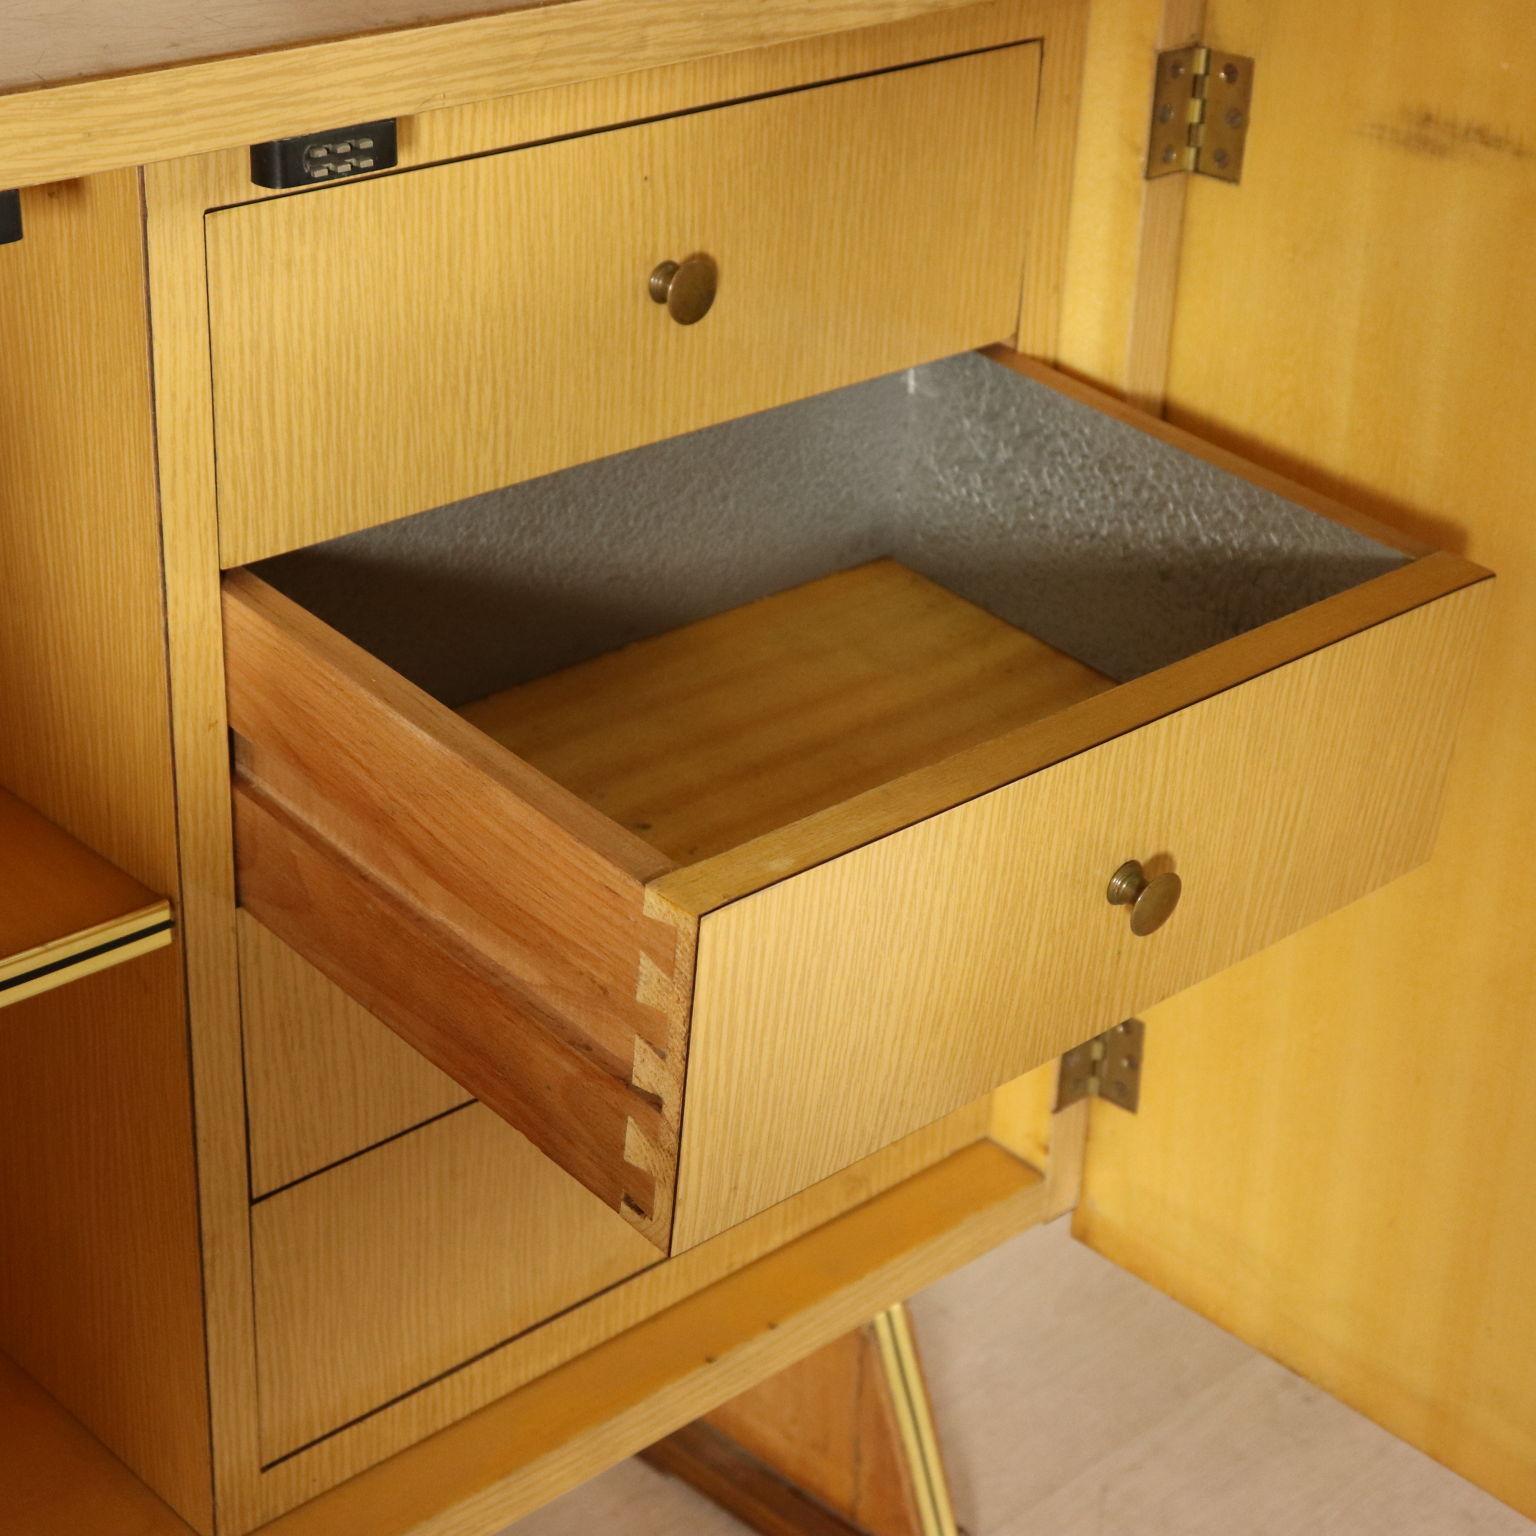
(100, 1292)
(1357, 1199)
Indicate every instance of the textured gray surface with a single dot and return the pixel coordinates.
(1113, 547)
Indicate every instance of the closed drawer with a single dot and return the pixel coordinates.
(394, 344)
(378, 1275)
(712, 916)
(428, 1255)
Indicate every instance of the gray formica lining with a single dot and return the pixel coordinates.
(1102, 541)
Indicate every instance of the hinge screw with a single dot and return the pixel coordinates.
(1229, 73)
(1176, 69)
(1234, 118)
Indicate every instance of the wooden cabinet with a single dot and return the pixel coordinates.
(539, 1065)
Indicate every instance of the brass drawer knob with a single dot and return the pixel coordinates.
(687, 288)
(1151, 901)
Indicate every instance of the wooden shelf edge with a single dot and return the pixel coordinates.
(84, 953)
(65, 911)
(567, 1426)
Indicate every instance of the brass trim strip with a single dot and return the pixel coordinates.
(914, 1419)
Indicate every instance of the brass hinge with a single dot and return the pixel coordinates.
(1106, 1067)
(1200, 113)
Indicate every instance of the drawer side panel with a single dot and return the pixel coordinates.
(492, 920)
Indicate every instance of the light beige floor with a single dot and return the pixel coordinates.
(1076, 1401)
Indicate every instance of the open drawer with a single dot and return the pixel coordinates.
(712, 916)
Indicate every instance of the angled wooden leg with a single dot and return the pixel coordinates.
(842, 1444)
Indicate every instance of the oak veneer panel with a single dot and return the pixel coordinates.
(378, 1275)
(464, 1387)
(100, 1286)
(58, 1480)
(828, 211)
(246, 74)
(324, 1079)
(722, 730)
(1373, 1229)
(983, 944)
(65, 911)
(637, 1386)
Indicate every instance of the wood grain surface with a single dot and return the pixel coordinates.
(715, 882)
(467, 1385)
(57, 122)
(65, 911)
(1356, 1203)
(176, 193)
(729, 728)
(830, 1427)
(100, 1290)
(324, 1079)
(826, 210)
(171, 238)
(379, 1275)
(842, 1007)
(533, 1444)
(413, 862)
(1159, 244)
(59, 1480)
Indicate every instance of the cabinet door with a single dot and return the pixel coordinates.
(1333, 1150)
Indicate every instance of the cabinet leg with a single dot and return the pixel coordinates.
(842, 1444)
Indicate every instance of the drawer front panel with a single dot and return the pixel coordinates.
(391, 345)
(838, 1009)
(390, 1272)
(324, 1079)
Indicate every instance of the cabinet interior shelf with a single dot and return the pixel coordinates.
(65, 912)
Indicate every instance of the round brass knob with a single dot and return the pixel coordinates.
(1151, 901)
(687, 288)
